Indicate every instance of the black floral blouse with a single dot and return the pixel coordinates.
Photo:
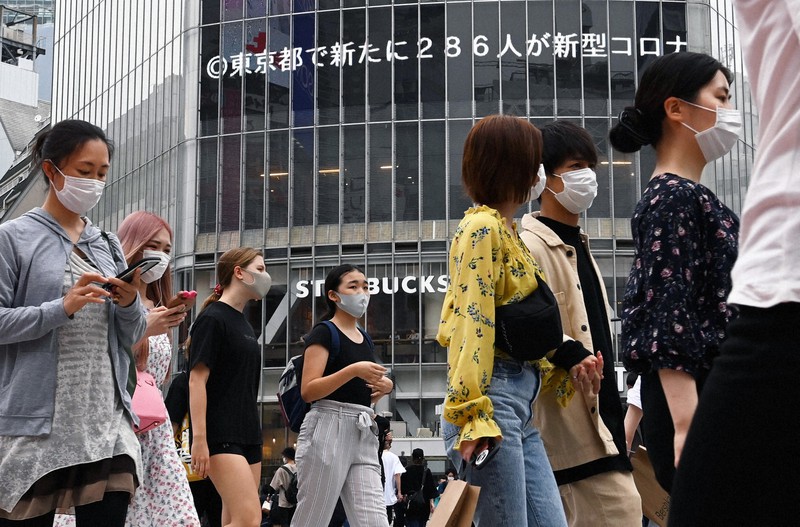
(674, 313)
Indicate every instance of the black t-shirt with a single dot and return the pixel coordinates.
(223, 340)
(177, 400)
(610, 404)
(354, 391)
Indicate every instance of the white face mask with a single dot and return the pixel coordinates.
(261, 283)
(538, 188)
(720, 138)
(79, 194)
(355, 305)
(450, 478)
(580, 189)
(157, 271)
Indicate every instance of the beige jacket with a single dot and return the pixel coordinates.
(576, 434)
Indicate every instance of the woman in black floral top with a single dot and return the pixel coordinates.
(674, 312)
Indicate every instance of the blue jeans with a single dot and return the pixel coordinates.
(520, 472)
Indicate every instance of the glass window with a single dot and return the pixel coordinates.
(623, 80)
(459, 201)
(278, 184)
(328, 186)
(380, 73)
(595, 58)
(232, 9)
(327, 75)
(278, 95)
(232, 49)
(404, 56)
(280, 7)
(598, 129)
(354, 191)
(256, 8)
(276, 315)
(648, 26)
(485, 51)
(303, 76)
(230, 182)
(302, 6)
(303, 177)
(458, 50)
(407, 172)
(354, 34)
(433, 170)
(380, 172)
(513, 58)
(207, 186)
(568, 57)
(255, 100)
(432, 62)
(210, 11)
(254, 179)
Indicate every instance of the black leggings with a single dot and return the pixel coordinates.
(740, 465)
(110, 512)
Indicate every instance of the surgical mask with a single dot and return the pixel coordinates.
(79, 194)
(720, 138)
(450, 478)
(260, 284)
(157, 271)
(355, 305)
(538, 188)
(580, 189)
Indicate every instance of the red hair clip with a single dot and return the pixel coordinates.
(218, 290)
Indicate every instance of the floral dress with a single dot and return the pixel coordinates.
(675, 311)
(163, 498)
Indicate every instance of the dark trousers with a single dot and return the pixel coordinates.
(207, 502)
(658, 431)
(741, 464)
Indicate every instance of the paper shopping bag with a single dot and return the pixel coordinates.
(456, 505)
(655, 500)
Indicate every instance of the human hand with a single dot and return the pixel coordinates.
(85, 291)
(467, 448)
(588, 373)
(124, 293)
(162, 319)
(200, 457)
(382, 387)
(371, 372)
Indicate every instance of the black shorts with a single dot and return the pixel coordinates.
(252, 453)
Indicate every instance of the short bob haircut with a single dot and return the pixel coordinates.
(562, 141)
(501, 159)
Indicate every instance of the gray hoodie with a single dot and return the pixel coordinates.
(34, 250)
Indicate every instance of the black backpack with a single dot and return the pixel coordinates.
(290, 492)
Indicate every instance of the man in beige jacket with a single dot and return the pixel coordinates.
(585, 440)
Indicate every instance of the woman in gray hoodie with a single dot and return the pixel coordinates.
(66, 438)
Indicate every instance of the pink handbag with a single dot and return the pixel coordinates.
(147, 403)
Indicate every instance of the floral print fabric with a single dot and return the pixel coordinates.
(674, 312)
(489, 266)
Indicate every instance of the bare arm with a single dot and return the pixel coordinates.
(632, 419)
(680, 390)
(198, 378)
(315, 386)
(397, 479)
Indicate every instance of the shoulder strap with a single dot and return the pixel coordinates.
(334, 338)
(284, 467)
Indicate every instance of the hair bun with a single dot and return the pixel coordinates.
(629, 134)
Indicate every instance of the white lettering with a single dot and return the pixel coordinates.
(406, 287)
(374, 286)
(424, 45)
(479, 46)
(453, 47)
(318, 287)
(390, 289)
(444, 282)
(302, 289)
(425, 286)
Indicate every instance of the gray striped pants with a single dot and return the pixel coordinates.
(337, 455)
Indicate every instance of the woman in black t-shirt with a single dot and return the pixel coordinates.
(337, 446)
(223, 387)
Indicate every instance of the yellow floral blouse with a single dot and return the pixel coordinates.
(489, 266)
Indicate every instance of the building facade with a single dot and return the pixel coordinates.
(331, 131)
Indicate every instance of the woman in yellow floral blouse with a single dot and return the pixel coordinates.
(489, 395)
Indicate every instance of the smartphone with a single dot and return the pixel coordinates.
(184, 298)
(481, 458)
(145, 264)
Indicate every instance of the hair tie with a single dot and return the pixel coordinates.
(630, 118)
(218, 290)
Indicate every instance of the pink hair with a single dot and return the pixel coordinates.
(134, 232)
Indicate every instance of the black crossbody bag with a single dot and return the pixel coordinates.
(530, 328)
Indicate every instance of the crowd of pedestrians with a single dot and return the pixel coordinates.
(707, 317)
